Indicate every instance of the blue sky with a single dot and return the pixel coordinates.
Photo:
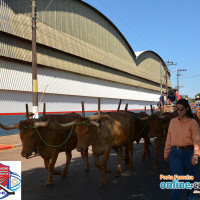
(171, 28)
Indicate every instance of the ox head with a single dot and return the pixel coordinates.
(155, 124)
(29, 130)
(28, 134)
(86, 130)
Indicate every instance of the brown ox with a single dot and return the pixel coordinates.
(141, 130)
(114, 131)
(52, 136)
(158, 128)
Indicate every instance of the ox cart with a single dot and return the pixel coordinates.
(168, 108)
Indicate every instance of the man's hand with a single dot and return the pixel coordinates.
(166, 159)
(195, 159)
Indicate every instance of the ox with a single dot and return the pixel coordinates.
(158, 128)
(104, 132)
(50, 140)
(141, 130)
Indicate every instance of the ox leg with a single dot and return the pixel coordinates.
(97, 163)
(84, 155)
(158, 152)
(146, 148)
(130, 147)
(104, 167)
(126, 157)
(51, 165)
(68, 160)
(46, 163)
(119, 158)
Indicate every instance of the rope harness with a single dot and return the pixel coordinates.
(83, 122)
(34, 127)
(154, 114)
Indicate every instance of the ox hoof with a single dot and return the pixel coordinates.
(102, 184)
(126, 159)
(143, 158)
(86, 170)
(49, 185)
(130, 169)
(155, 168)
(149, 155)
(63, 176)
(56, 173)
(108, 170)
(117, 174)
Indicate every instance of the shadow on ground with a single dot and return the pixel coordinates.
(142, 183)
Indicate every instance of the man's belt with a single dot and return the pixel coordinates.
(183, 147)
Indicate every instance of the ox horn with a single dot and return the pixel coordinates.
(96, 117)
(68, 124)
(162, 117)
(95, 123)
(143, 118)
(13, 126)
(42, 124)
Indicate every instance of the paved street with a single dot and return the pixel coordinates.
(142, 183)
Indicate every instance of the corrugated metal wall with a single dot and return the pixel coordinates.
(73, 28)
(18, 77)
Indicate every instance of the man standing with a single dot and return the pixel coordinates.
(162, 99)
(178, 95)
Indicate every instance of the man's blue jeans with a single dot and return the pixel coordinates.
(180, 162)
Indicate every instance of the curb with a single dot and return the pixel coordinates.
(6, 147)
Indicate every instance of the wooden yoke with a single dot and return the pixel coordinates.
(151, 109)
(120, 101)
(99, 107)
(145, 109)
(27, 112)
(44, 109)
(83, 109)
(126, 107)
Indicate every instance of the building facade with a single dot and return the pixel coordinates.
(81, 55)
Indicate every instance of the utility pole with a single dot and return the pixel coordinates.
(167, 64)
(34, 61)
(179, 70)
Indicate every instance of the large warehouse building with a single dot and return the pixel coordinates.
(81, 55)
